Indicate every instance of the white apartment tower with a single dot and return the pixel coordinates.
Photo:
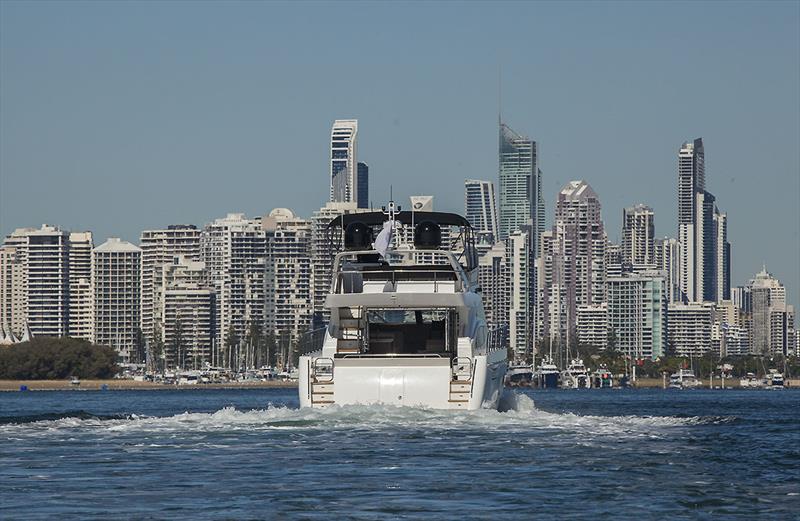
(46, 260)
(81, 298)
(690, 328)
(521, 309)
(186, 318)
(116, 286)
(637, 314)
(159, 248)
(12, 290)
(234, 250)
(668, 261)
(772, 317)
(592, 325)
(344, 163)
(572, 261)
(638, 231)
(480, 209)
(289, 302)
(494, 281)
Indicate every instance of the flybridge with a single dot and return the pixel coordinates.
(393, 231)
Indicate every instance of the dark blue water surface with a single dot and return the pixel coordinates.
(252, 454)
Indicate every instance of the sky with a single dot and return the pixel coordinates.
(121, 116)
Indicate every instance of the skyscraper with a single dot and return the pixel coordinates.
(638, 231)
(480, 209)
(572, 261)
(521, 303)
(521, 200)
(344, 178)
(363, 185)
(116, 284)
(702, 231)
(637, 314)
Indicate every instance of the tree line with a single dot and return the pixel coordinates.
(49, 358)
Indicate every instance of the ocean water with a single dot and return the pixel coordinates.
(252, 454)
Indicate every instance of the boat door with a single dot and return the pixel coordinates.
(392, 386)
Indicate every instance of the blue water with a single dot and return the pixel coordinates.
(251, 454)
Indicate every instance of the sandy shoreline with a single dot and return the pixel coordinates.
(129, 385)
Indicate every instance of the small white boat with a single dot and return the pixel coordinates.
(519, 375)
(749, 381)
(575, 376)
(684, 379)
(546, 375)
(774, 380)
(602, 378)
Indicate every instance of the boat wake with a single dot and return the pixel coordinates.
(517, 414)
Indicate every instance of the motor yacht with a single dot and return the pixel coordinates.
(575, 376)
(684, 379)
(602, 378)
(407, 325)
(520, 374)
(546, 375)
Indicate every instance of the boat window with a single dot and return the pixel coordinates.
(410, 331)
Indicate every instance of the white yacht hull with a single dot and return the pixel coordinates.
(403, 381)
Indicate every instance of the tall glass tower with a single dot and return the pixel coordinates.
(344, 179)
(480, 209)
(362, 182)
(521, 201)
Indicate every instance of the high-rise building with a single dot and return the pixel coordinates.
(185, 319)
(592, 326)
(638, 231)
(689, 328)
(322, 252)
(521, 305)
(344, 163)
(234, 250)
(47, 281)
(116, 285)
(81, 299)
(159, 248)
(480, 209)
(13, 294)
(702, 231)
(637, 314)
(772, 318)
(289, 306)
(572, 261)
(667, 260)
(494, 281)
(722, 254)
(521, 199)
(363, 185)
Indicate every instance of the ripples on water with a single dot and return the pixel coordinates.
(253, 454)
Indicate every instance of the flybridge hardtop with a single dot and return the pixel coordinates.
(407, 325)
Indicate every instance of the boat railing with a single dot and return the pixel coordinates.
(462, 365)
(352, 280)
(322, 370)
(390, 355)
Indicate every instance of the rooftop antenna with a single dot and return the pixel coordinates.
(499, 94)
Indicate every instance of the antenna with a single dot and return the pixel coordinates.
(499, 94)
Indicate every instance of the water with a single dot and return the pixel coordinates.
(251, 454)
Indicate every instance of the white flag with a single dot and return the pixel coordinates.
(384, 238)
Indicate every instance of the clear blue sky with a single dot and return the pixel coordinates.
(122, 116)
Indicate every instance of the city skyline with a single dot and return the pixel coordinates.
(113, 157)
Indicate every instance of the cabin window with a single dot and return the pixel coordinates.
(410, 331)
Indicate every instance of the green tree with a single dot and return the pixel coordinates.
(48, 358)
